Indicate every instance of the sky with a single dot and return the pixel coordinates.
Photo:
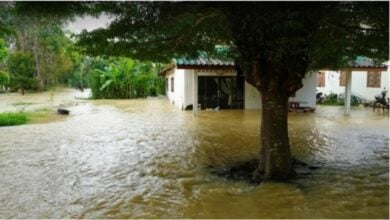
(88, 22)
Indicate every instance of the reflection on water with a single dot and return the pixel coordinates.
(146, 159)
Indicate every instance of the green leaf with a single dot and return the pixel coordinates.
(106, 84)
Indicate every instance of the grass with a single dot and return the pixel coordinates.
(41, 115)
(13, 118)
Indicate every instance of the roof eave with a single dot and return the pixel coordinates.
(205, 66)
(167, 68)
(367, 68)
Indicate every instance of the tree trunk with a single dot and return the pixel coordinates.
(275, 157)
(36, 58)
(275, 84)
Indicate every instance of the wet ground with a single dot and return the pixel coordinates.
(147, 159)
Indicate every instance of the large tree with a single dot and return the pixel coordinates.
(275, 43)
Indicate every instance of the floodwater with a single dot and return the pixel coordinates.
(147, 159)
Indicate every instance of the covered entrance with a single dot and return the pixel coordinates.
(223, 92)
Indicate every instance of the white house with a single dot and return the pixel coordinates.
(215, 84)
(367, 80)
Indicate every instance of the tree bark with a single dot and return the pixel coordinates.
(275, 86)
(275, 158)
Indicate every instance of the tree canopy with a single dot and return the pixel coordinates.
(327, 34)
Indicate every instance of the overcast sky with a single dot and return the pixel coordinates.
(89, 23)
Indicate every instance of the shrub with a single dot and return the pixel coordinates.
(334, 99)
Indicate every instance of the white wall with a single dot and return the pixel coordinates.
(359, 84)
(308, 92)
(252, 97)
(177, 96)
(169, 94)
(182, 95)
(188, 88)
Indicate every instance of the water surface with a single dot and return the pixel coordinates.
(147, 159)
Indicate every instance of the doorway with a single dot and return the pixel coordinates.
(223, 92)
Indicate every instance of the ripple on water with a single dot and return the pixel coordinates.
(146, 159)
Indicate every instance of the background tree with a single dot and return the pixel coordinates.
(21, 68)
(3, 50)
(5, 16)
(4, 80)
(275, 44)
(4, 76)
(46, 41)
(41, 36)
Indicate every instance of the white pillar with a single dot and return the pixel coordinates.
(348, 86)
(195, 93)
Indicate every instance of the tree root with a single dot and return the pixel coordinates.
(247, 170)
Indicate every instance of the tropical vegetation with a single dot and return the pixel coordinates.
(124, 78)
(37, 54)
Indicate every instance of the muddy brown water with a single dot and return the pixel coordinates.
(147, 159)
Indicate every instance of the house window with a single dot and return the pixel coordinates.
(172, 84)
(321, 79)
(166, 84)
(374, 79)
(342, 78)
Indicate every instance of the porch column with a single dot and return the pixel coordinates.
(195, 93)
(347, 98)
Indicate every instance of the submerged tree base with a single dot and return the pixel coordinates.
(246, 170)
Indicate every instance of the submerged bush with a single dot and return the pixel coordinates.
(12, 118)
(334, 99)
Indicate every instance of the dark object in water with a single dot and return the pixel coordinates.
(62, 111)
(188, 107)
